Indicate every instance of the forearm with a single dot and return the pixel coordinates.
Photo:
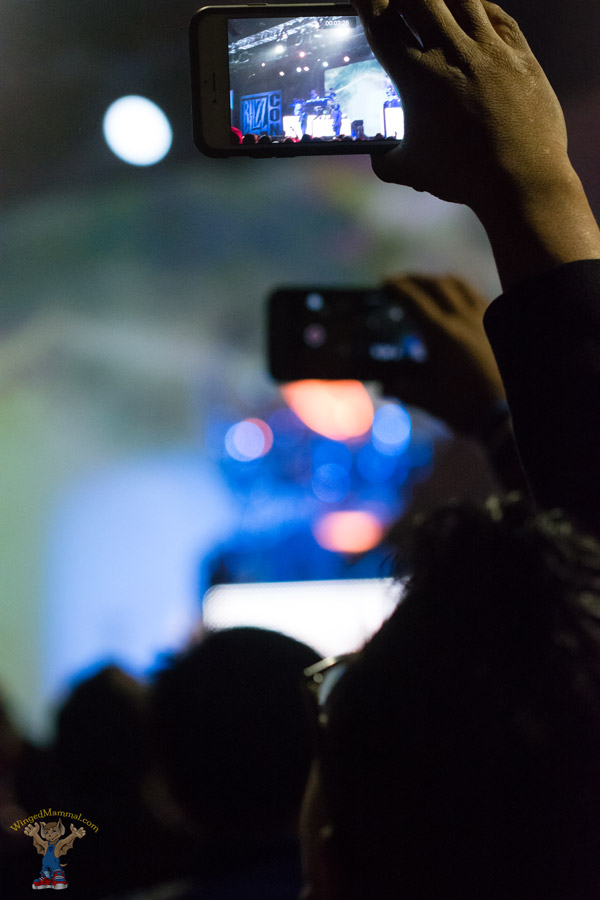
(546, 337)
(497, 436)
(534, 227)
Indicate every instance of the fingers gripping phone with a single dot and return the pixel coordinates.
(299, 79)
(339, 333)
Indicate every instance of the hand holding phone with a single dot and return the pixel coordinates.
(483, 117)
(299, 79)
(422, 338)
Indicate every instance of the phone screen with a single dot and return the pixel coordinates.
(335, 333)
(307, 78)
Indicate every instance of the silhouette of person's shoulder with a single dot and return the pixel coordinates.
(275, 875)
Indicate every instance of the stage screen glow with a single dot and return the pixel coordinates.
(333, 616)
(313, 76)
(355, 85)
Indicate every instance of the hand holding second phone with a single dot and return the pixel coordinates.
(459, 381)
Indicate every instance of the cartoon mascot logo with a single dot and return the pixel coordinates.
(49, 842)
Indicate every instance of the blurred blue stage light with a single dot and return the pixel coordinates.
(288, 430)
(332, 452)
(391, 429)
(375, 467)
(331, 483)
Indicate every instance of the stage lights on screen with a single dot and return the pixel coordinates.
(137, 131)
(341, 31)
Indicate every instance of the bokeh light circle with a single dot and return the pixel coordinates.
(375, 467)
(137, 130)
(348, 531)
(340, 410)
(248, 440)
(391, 429)
(331, 483)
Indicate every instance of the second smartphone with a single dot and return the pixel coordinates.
(289, 80)
(339, 333)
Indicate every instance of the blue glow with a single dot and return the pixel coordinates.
(332, 452)
(331, 483)
(125, 545)
(375, 467)
(288, 430)
(214, 438)
(391, 429)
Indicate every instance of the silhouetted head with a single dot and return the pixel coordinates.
(101, 739)
(232, 731)
(460, 752)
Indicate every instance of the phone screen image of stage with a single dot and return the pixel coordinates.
(308, 78)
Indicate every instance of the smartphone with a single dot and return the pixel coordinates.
(288, 81)
(339, 333)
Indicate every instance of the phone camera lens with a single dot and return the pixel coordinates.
(314, 302)
(315, 335)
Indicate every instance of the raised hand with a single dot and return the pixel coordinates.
(484, 128)
(480, 113)
(459, 381)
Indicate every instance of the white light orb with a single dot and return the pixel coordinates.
(137, 131)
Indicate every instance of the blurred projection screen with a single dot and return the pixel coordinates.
(334, 617)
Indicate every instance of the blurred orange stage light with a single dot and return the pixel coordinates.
(348, 531)
(340, 410)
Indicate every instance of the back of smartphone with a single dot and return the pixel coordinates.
(338, 333)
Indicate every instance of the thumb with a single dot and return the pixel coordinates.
(391, 166)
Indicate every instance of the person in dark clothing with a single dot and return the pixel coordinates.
(457, 753)
(234, 744)
(101, 765)
(484, 128)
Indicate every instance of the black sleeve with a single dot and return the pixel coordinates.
(545, 334)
